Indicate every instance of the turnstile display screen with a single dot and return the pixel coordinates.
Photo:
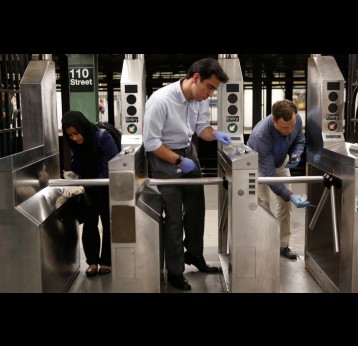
(232, 88)
(130, 89)
(333, 86)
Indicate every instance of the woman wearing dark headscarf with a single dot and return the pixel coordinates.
(91, 151)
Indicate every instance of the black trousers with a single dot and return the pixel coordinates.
(97, 206)
(184, 207)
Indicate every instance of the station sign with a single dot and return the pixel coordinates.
(81, 79)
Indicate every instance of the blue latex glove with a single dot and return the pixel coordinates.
(188, 165)
(293, 163)
(222, 137)
(299, 201)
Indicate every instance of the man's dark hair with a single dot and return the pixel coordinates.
(283, 109)
(206, 68)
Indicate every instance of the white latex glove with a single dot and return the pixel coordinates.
(60, 200)
(70, 175)
(70, 191)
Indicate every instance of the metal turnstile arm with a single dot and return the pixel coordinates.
(334, 219)
(318, 211)
(78, 182)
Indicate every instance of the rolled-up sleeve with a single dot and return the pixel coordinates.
(203, 117)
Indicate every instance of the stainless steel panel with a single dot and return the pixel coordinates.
(125, 184)
(334, 227)
(38, 106)
(37, 225)
(40, 206)
(340, 268)
(22, 181)
(42, 244)
(127, 174)
(231, 103)
(60, 253)
(151, 202)
(7, 197)
(252, 232)
(129, 159)
(137, 268)
(133, 76)
(125, 262)
(325, 89)
(245, 261)
(320, 276)
(136, 222)
(342, 152)
(19, 160)
(20, 250)
(31, 179)
(319, 241)
(349, 230)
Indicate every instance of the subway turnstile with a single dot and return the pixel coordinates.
(39, 235)
(249, 238)
(331, 240)
(136, 209)
(248, 233)
(331, 228)
(136, 220)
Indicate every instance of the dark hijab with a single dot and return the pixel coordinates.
(87, 153)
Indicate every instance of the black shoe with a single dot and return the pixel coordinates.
(199, 262)
(286, 252)
(92, 270)
(179, 281)
(103, 270)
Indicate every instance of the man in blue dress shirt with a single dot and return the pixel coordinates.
(172, 115)
(280, 142)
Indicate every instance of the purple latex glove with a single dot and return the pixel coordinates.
(188, 165)
(222, 137)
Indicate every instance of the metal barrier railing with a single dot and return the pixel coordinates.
(193, 181)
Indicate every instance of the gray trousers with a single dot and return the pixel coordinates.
(184, 207)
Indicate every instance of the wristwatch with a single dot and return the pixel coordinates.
(179, 161)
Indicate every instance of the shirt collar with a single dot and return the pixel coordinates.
(180, 91)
